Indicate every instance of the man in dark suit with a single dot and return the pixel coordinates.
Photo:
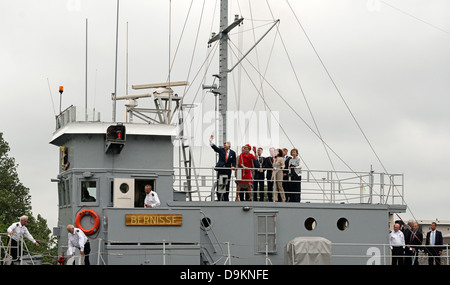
(413, 240)
(259, 178)
(225, 164)
(268, 166)
(434, 238)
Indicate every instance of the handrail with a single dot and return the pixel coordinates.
(371, 253)
(324, 186)
(5, 250)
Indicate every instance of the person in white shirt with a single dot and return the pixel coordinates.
(397, 245)
(15, 234)
(77, 239)
(151, 199)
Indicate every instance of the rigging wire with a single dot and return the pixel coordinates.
(266, 105)
(278, 122)
(264, 75)
(262, 81)
(335, 85)
(289, 139)
(213, 51)
(257, 59)
(303, 93)
(181, 37)
(193, 50)
(414, 17)
(342, 97)
(295, 112)
(301, 89)
(51, 96)
(281, 127)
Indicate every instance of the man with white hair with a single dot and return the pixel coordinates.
(397, 245)
(15, 234)
(77, 239)
(225, 164)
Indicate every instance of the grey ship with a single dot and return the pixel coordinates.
(104, 167)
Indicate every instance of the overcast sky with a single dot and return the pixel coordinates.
(389, 59)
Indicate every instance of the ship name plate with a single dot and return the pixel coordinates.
(153, 219)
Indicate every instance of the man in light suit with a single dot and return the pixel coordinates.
(225, 164)
(434, 237)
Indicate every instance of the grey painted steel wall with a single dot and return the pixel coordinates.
(367, 224)
(145, 244)
(142, 157)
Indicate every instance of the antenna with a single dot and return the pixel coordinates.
(51, 96)
(61, 90)
(126, 83)
(126, 91)
(115, 75)
(86, 74)
(95, 88)
(170, 28)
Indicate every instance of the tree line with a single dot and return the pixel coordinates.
(15, 201)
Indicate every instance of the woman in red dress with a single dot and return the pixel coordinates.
(245, 162)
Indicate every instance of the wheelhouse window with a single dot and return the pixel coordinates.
(88, 191)
(64, 187)
(68, 187)
(61, 193)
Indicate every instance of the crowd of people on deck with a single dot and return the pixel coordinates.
(406, 241)
(282, 171)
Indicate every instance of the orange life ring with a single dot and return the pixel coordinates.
(91, 213)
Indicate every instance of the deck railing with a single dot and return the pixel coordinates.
(21, 247)
(76, 114)
(317, 186)
(164, 251)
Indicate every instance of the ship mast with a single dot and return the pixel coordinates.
(223, 74)
(222, 91)
(223, 38)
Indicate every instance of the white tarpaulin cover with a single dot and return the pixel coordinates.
(308, 251)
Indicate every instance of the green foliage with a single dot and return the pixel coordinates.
(15, 201)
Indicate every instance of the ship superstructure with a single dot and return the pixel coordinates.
(107, 175)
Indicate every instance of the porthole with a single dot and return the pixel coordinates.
(205, 223)
(342, 224)
(310, 224)
(124, 188)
